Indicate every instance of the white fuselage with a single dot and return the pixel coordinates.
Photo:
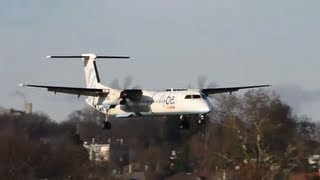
(188, 102)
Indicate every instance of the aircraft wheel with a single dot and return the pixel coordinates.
(106, 125)
(201, 119)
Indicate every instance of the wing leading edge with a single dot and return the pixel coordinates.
(208, 91)
(72, 90)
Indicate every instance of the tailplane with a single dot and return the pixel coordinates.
(90, 67)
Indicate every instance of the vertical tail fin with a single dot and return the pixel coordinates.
(90, 70)
(90, 67)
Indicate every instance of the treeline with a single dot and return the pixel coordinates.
(249, 136)
(35, 147)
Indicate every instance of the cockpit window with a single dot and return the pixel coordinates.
(196, 96)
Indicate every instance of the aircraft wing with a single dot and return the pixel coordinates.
(208, 91)
(72, 90)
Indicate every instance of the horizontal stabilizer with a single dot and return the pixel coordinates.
(90, 55)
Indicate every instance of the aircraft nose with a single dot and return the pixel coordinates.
(210, 106)
(206, 108)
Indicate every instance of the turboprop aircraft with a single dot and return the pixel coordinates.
(122, 103)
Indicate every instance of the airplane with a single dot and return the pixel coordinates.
(123, 103)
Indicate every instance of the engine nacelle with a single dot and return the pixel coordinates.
(132, 94)
(112, 98)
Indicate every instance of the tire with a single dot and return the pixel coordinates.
(106, 125)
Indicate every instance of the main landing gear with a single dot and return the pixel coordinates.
(201, 119)
(106, 124)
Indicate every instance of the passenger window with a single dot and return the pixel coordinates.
(188, 97)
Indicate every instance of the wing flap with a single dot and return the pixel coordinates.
(71, 90)
(208, 91)
(124, 115)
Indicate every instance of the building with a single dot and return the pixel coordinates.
(4, 111)
(98, 152)
(117, 152)
(27, 110)
(314, 163)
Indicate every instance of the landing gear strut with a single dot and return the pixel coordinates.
(184, 124)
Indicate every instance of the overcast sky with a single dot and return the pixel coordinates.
(171, 43)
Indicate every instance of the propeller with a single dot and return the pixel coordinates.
(127, 83)
(202, 83)
(129, 91)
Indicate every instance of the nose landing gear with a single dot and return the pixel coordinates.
(184, 124)
(201, 119)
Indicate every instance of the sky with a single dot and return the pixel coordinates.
(171, 43)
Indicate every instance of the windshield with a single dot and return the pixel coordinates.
(193, 96)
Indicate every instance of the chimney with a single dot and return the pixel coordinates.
(27, 108)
